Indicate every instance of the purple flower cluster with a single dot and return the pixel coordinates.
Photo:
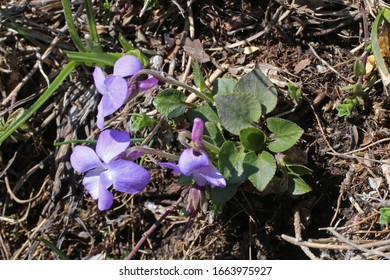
(108, 165)
(196, 163)
(115, 88)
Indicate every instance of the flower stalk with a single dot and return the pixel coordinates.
(161, 76)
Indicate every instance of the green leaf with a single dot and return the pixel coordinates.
(297, 186)
(237, 110)
(298, 169)
(230, 163)
(150, 4)
(100, 59)
(40, 101)
(371, 82)
(170, 103)
(384, 217)
(359, 69)
(358, 89)
(214, 132)
(186, 180)
(376, 50)
(285, 134)
(294, 92)
(346, 108)
(71, 25)
(198, 77)
(252, 138)
(260, 169)
(223, 86)
(54, 248)
(257, 84)
(91, 24)
(141, 121)
(222, 195)
(204, 112)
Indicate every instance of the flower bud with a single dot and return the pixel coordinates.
(197, 134)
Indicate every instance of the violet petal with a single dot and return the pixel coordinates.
(127, 176)
(197, 133)
(118, 90)
(84, 159)
(105, 108)
(191, 160)
(100, 115)
(111, 143)
(147, 84)
(213, 176)
(99, 78)
(175, 167)
(91, 182)
(105, 198)
(200, 181)
(127, 65)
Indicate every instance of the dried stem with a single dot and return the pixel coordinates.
(157, 223)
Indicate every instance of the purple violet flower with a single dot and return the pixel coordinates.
(106, 166)
(196, 162)
(115, 88)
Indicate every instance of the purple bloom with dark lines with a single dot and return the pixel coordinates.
(105, 167)
(115, 88)
(196, 163)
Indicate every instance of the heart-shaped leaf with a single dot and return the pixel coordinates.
(260, 169)
(252, 138)
(237, 110)
(205, 112)
(257, 84)
(223, 195)
(223, 86)
(297, 186)
(170, 103)
(215, 133)
(285, 134)
(298, 169)
(230, 163)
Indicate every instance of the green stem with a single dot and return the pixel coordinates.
(91, 21)
(40, 101)
(152, 151)
(211, 147)
(94, 58)
(166, 79)
(72, 28)
(76, 141)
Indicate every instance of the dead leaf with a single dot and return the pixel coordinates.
(301, 65)
(370, 64)
(195, 50)
(250, 49)
(386, 173)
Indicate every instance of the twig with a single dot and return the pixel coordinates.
(157, 223)
(329, 66)
(21, 201)
(298, 235)
(354, 245)
(267, 29)
(15, 91)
